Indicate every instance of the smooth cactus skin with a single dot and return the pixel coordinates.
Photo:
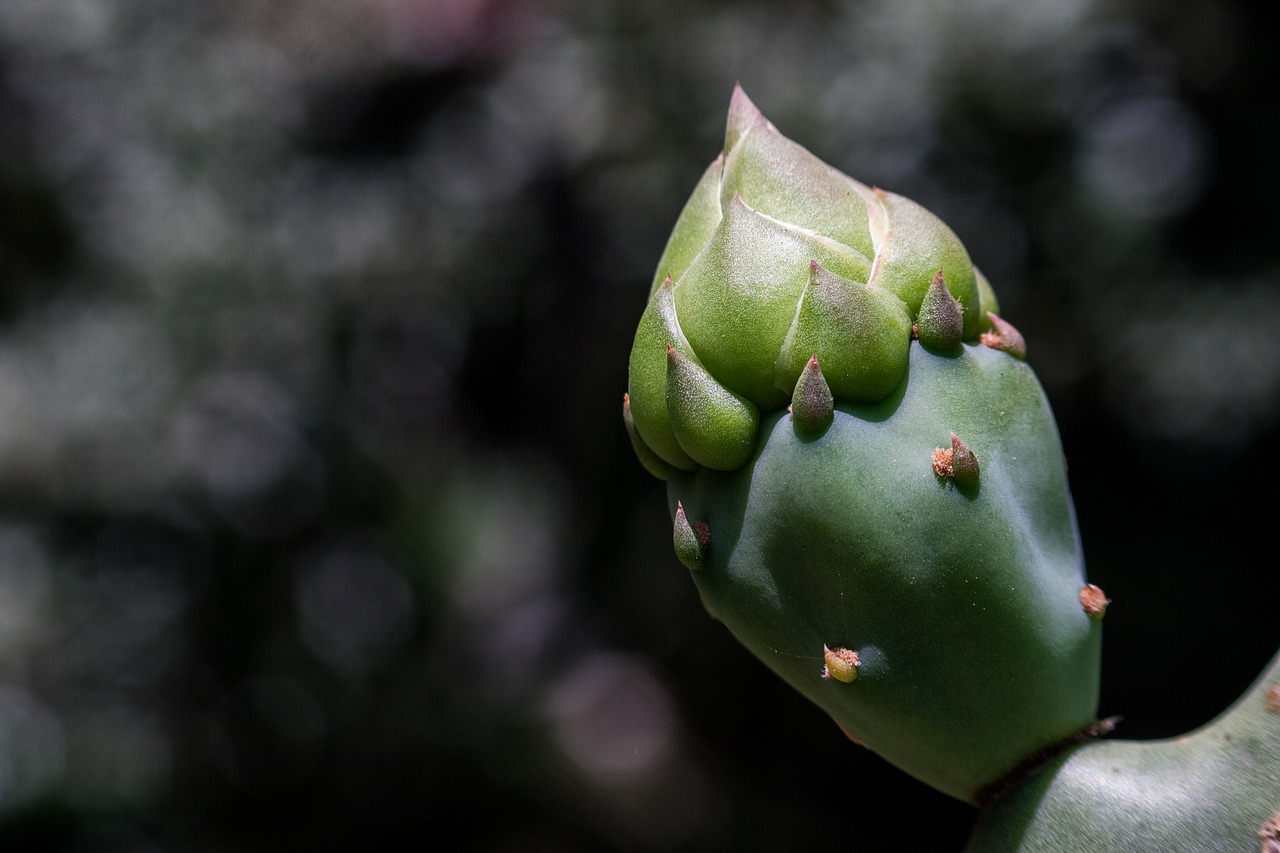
(963, 604)
(955, 588)
(1211, 791)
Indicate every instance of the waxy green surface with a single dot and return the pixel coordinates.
(963, 604)
(1209, 791)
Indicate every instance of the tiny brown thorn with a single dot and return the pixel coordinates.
(691, 540)
(1269, 835)
(1094, 601)
(840, 664)
(1003, 336)
(939, 322)
(964, 464)
(957, 463)
(1271, 699)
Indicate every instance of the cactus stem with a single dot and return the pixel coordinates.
(691, 540)
(812, 406)
(840, 663)
(1271, 699)
(1094, 601)
(1003, 336)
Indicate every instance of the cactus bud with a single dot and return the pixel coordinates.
(788, 285)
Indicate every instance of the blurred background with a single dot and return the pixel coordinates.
(319, 528)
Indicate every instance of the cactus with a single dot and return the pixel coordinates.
(867, 481)
(1216, 789)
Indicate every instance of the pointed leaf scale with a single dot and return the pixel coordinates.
(737, 301)
(647, 377)
(812, 406)
(860, 333)
(940, 323)
(715, 427)
(1003, 336)
(652, 462)
(689, 545)
(696, 224)
(964, 464)
(785, 181)
(911, 244)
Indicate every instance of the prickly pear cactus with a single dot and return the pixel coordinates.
(1215, 790)
(865, 479)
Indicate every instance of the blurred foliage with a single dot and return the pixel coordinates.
(318, 525)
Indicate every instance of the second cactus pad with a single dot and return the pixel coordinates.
(865, 477)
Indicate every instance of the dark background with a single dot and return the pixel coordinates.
(318, 525)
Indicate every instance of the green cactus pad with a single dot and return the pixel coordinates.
(1215, 790)
(962, 604)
